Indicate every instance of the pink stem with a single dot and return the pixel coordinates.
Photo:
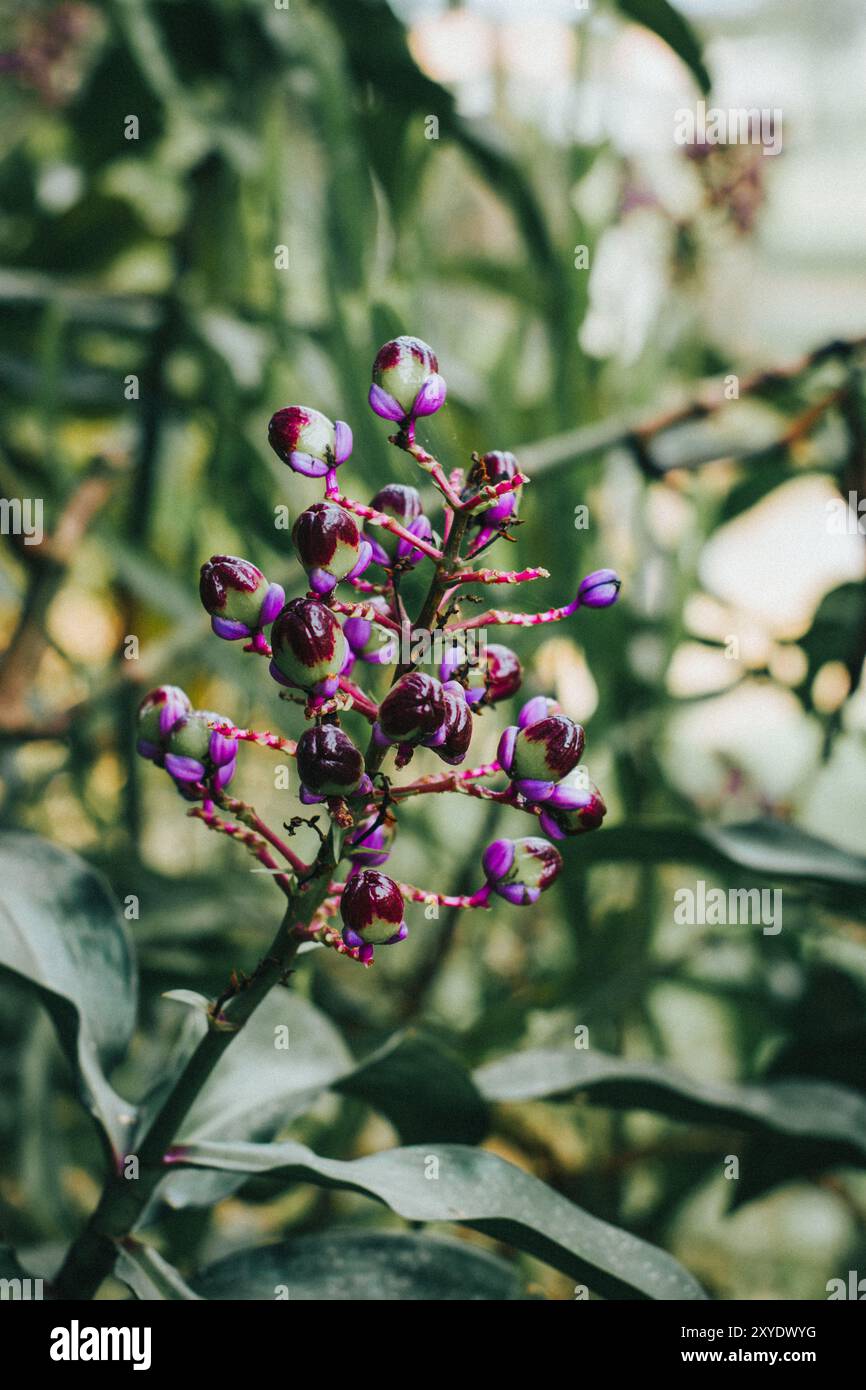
(388, 524)
(420, 895)
(498, 617)
(246, 837)
(264, 740)
(246, 814)
(259, 645)
(361, 702)
(492, 491)
(498, 576)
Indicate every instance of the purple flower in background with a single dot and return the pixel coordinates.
(369, 640)
(158, 712)
(599, 589)
(495, 467)
(368, 847)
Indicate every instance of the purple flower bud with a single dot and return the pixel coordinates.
(329, 764)
(403, 503)
(599, 589)
(413, 710)
(309, 647)
(574, 807)
(368, 640)
(495, 674)
(492, 468)
(368, 848)
(520, 870)
(539, 707)
(308, 441)
(158, 712)
(328, 544)
(541, 754)
(371, 907)
(457, 728)
(238, 597)
(197, 753)
(406, 381)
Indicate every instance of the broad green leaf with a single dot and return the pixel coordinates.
(277, 1066)
(423, 1090)
(772, 849)
(678, 34)
(149, 1275)
(353, 1267)
(799, 1110)
(61, 932)
(474, 1188)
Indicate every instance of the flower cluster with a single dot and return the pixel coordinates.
(315, 642)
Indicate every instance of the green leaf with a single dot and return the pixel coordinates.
(150, 1276)
(799, 1110)
(677, 33)
(61, 932)
(769, 848)
(370, 1266)
(277, 1066)
(478, 1189)
(423, 1090)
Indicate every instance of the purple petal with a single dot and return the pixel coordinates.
(505, 751)
(384, 404)
(569, 798)
(599, 589)
(222, 750)
(357, 632)
(308, 798)
(321, 582)
(274, 600)
(550, 827)
(400, 935)
(456, 689)
(365, 786)
(279, 677)
(431, 397)
(380, 556)
(147, 749)
(534, 790)
(307, 465)
(230, 630)
(473, 696)
(342, 441)
(326, 688)
(381, 740)
(532, 711)
(170, 713)
(519, 894)
(184, 769)
(366, 953)
(434, 740)
(351, 938)
(497, 859)
(224, 774)
(365, 556)
(421, 528)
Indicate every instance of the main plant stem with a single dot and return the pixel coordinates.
(91, 1256)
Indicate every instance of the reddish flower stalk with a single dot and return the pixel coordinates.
(361, 702)
(387, 523)
(499, 576)
(499, 617)
(249, 816)
(252, 841)
(262, 738)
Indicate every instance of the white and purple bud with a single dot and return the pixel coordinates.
(309, 649)
(574, 807)
(368, 640)
(308, 441)
(406, 381)
(329, 545)
(520, 870)
(329, 764)
(539, 755)
(539, 707)
(371, 907)
(238, 597)
(196, 753)
(158, 712)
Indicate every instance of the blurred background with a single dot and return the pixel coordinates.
(668, 336)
